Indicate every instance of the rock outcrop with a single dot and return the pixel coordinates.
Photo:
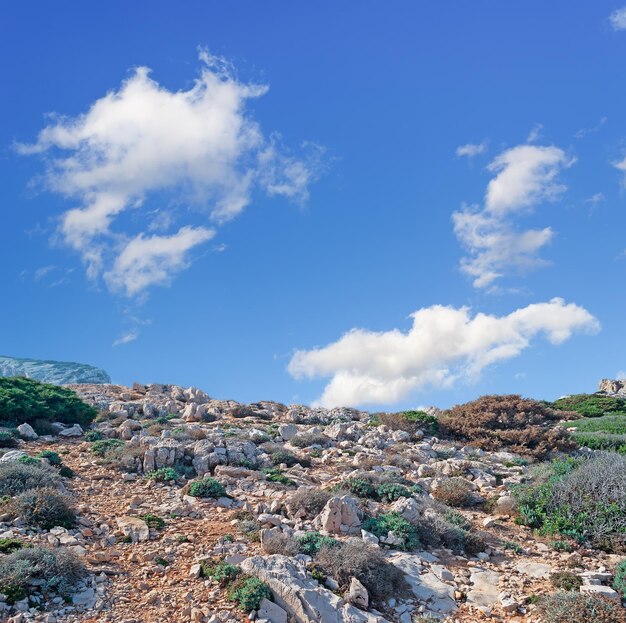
(613, 388)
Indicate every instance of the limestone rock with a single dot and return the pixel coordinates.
(26, 431)
(358, 595)
(137, 529)
(341, 515)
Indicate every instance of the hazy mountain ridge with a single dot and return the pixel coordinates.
(56, 372)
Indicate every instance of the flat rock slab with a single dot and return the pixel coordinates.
(485, 589)
(535, 570)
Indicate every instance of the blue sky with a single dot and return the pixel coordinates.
(444, 181)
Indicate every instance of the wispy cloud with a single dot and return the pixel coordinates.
(199, 145)
(524, 176)
(618, 19)
(535, 133)
(126, 338)
(585, 131)
(471, 150)
(444, 345)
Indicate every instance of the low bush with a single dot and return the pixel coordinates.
(391, 491)
(45, 508)
(311, 501)
(601, 441)
(360, 487)
(305, 440)
(521, 425)
(410, 421)
(591, 405)
(11, 545)
(282, 456)
(455, 492)
(107, 448)
(207, 488)
(366, 563)
(25, 400)
(619, 580)
(220, 571)
(280, 543)
(53, 570)
(153, 521)
(163, 474)
(52, 457)
(8, 438)
(273, 474)
(66, 472)
(581, 499)
(16, 477)
(574, 607)
(312, 542)
(248, 593)
(93, 435)
(393, 522)
(566, 581)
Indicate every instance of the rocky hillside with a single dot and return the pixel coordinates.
(56, 372)
(179, 507)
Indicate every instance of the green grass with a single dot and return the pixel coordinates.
(614, 424)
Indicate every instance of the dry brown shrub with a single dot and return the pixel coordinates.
(366, 563)
(455, 492)
(521, 425)
(574, 607)
(279, 543)
(312, 501)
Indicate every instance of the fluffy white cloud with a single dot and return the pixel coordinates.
(443, 345)
(147, 261)
(199, 145)
(471, 149)
(618, 19)
(524, 176)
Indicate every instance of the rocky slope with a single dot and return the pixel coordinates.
(473, 563)
(56, 372)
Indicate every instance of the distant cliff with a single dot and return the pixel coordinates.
(56, 372)
(613, 388)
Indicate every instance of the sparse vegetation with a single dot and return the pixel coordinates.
(305, 440)
(312, 542)
(581, 499)
(401, 529)
(220, 571)
(566, 581)
(619, 581)
(366, 563)
(106, 448)
(53, 570)
(571, 607)
(163, 474)
(52, 457)
(248, 592)
(44, 507)
(154, 521)
(455, 492)
(312, 501)
(16, 477)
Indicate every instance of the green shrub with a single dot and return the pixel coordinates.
(106, 447)
(93, 435)
(579, 608)
(409, 421)
(581, 499)
(153, 521)
(221, 572)
(52, 457)
(16, 477)
(393, 522)
(46, 508)
(11, 545)
(601, 441)
(368, 564)
(312, 542)
(619, 581)
(54, 570)
(566, 581)
(282, 456)
(29, 460)
(163, 474)
(392, 491)
(25, 400)
(428, 423)
(66, 472)
(207, 488)
(275, 475)
(8, 438)
(305, 440)
(614, 424)
(591, 405)
(248, 592)
(360, 487)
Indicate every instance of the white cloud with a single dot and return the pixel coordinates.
(153, 260)
(535, 133)
(130, 336)
(40, 273)
(471, 149)
(524, 176)
(618, 19)
(444, 345)
(585, 131)
(199, 145)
